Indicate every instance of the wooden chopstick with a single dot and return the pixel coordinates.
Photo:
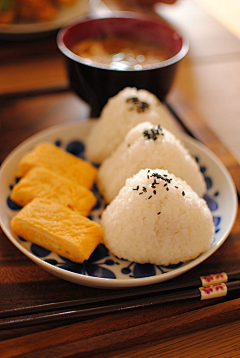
(85, 312)
(127, 294)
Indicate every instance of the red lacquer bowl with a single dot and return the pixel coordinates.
(95, 83)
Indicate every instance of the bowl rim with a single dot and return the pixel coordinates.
(124, 15)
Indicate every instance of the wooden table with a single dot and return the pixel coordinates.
(35, 95)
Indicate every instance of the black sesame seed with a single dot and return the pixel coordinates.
(176, 187)
(153, 133)
(150, 197)
(136, 188)
(141, 193)
(132, 100)
(154, 192)
(167, 188)
(183, 193)
(139, 106)
(159, 213)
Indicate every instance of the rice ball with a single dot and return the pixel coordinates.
(157, 218)
(148, 146)
(122, 112)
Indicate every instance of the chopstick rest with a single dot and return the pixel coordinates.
(213, 291)
(214, 279)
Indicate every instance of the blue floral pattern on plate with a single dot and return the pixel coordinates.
(102, 263)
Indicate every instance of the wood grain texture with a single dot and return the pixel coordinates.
(198, 344)
(31, 65)
(30, 114)
(66, 341)
(197, 127)
(208, 76)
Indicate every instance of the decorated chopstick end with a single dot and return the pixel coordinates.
(214, 279)
(213, 291)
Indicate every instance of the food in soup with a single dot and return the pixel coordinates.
(121, 53)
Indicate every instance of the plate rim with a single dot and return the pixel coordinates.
(100, 282)
(31, 28)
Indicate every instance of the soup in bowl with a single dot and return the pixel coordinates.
(121, 53)
(105, 55)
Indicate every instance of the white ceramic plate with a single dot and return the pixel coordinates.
(104, 270)
(36, 29)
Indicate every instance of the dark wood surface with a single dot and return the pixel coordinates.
(35, 95)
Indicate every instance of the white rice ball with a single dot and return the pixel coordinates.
(148, 146)
(122, 112)
(157, 218)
